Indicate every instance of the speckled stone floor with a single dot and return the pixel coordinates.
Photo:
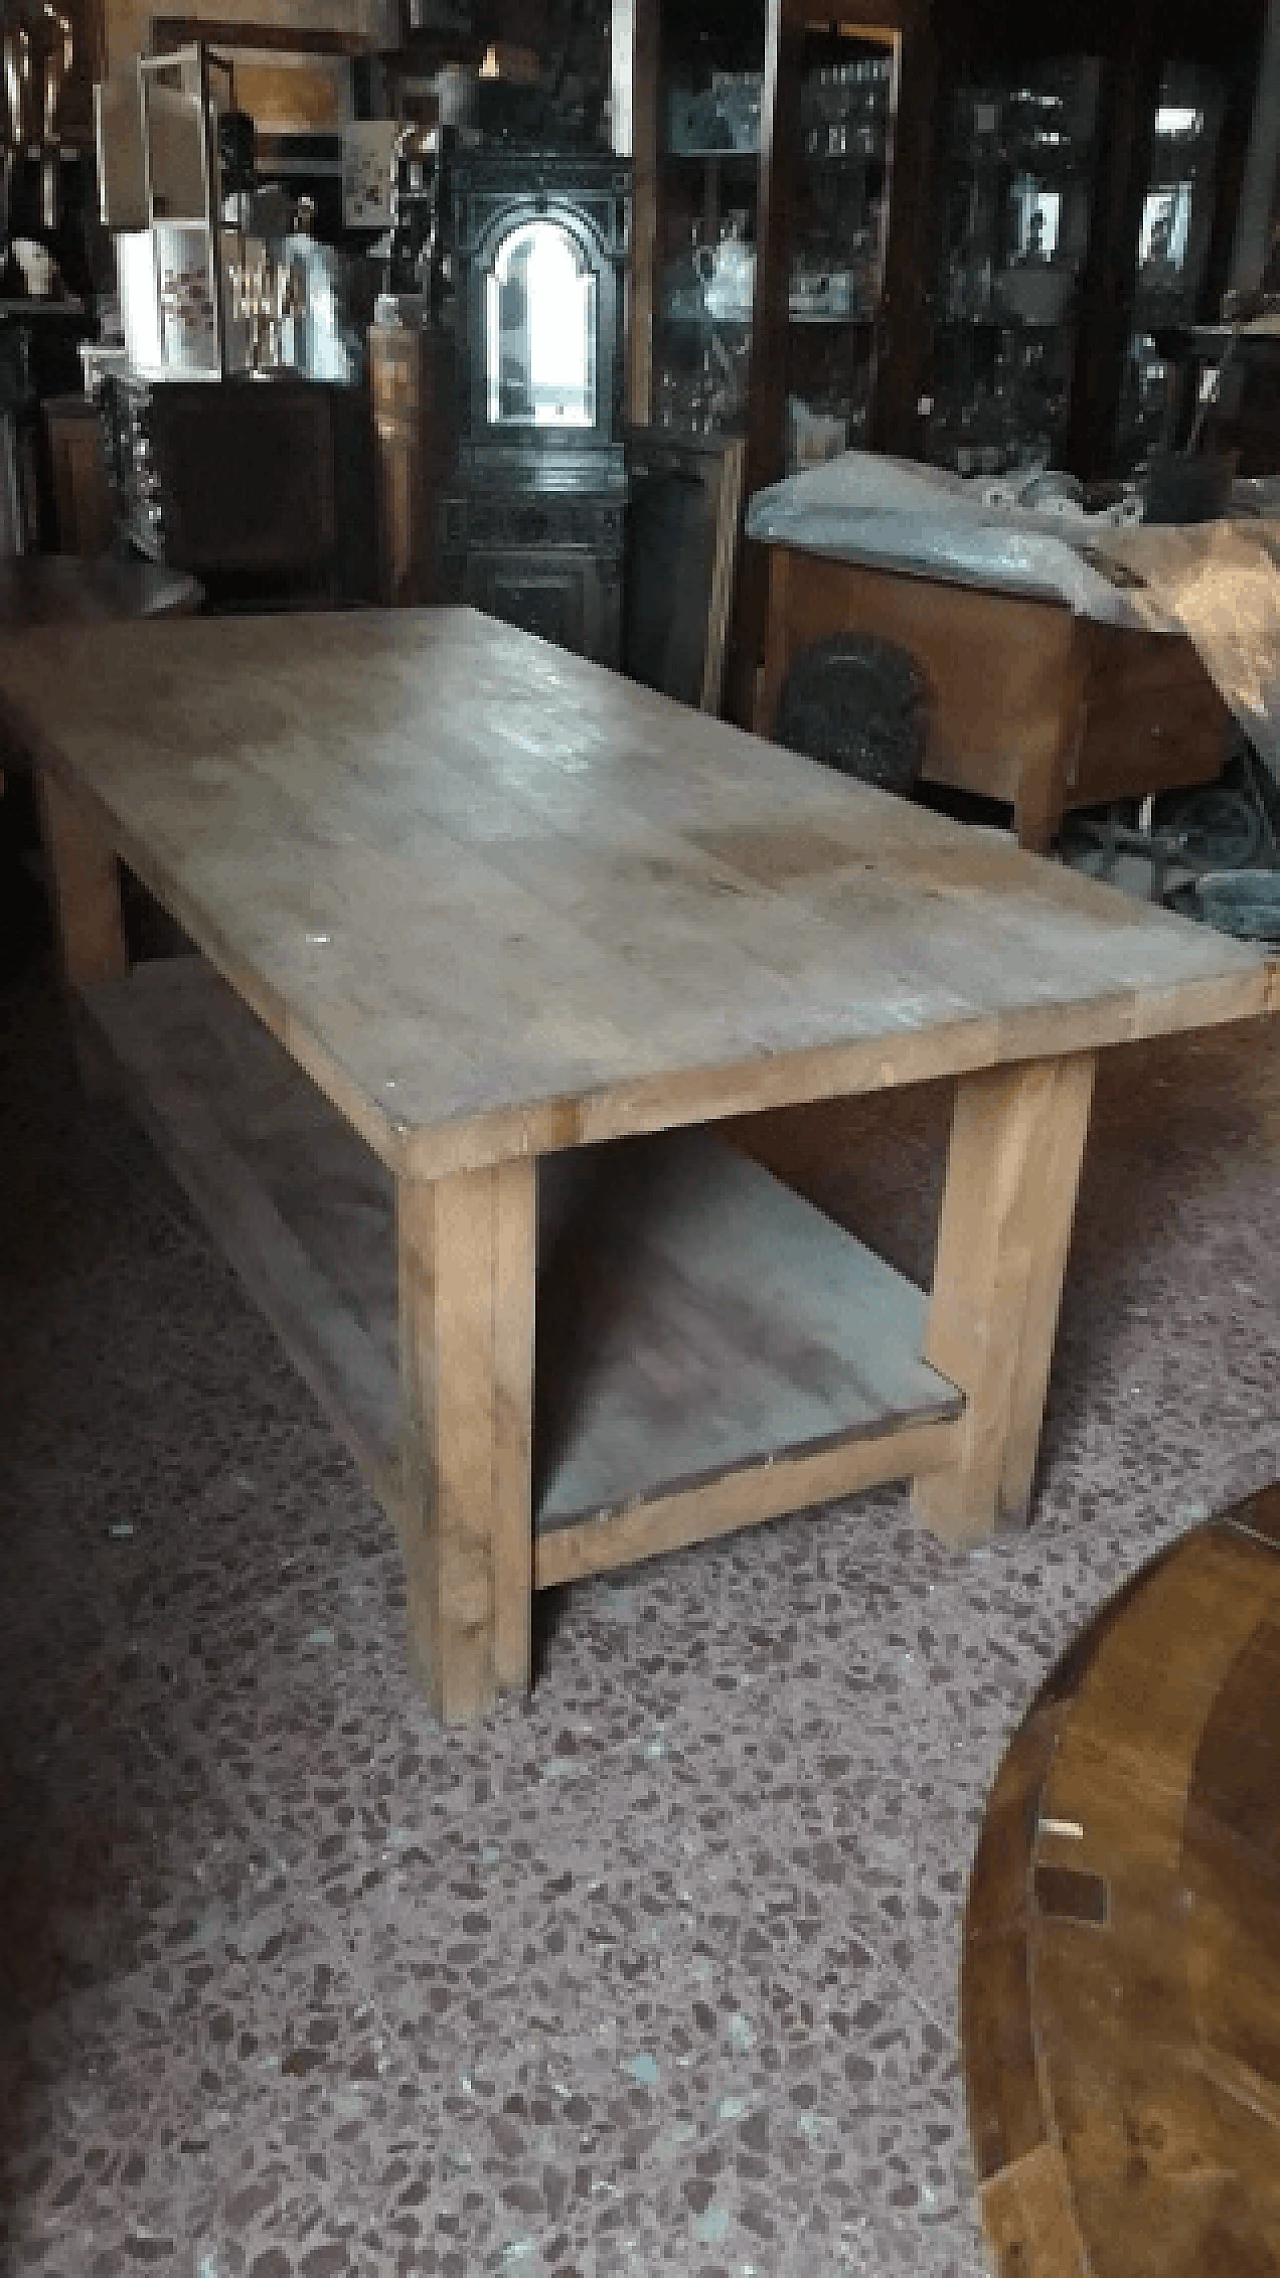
(656, 1973)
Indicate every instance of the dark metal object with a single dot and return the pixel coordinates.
(1181, 488)
(1226, 828)
(1219, 827)
(1243, 902)
(860, 705)
(1164, 850)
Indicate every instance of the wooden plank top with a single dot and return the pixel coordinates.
(496, 900)
(1121, 1978)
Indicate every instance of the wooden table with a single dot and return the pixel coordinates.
(65, 589)
(500, 935)
(1121, 1983)
(1029, 703)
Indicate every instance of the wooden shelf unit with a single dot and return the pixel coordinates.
(702, 1329)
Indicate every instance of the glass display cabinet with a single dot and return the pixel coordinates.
(701, 117)
(1015, 193)
(836, 274)
(951, 229)
(1174, 242)
(706, 104)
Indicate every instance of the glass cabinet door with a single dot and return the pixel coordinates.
(709, 129)
(1016, 185)
(1173, 246)
(848, 89)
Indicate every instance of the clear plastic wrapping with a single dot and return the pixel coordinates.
(894, 514)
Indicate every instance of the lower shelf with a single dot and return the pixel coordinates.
(698, 1325)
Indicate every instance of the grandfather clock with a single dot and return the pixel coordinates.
(533, 514)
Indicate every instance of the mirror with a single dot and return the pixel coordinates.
(541, 328)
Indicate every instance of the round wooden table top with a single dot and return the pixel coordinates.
(1121, 1985)
(72, 589)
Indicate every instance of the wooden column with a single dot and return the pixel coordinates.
(1017, 1143)
(466, 1354)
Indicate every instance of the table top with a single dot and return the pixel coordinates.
(1121, 1986)
(496, 900)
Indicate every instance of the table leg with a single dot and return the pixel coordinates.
(86, 888)
(1017, 1143)
(85, 878)
(466, 1261)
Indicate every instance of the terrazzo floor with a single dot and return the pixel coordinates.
(654, 1973)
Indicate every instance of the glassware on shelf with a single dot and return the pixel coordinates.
(683, 280)
(820, 293)
(1018, 198)
(729, 276)
(1003, 407)
(724, 117)
(712, 279)
(844, 108)
(738, 95)
(701, 390)
(837, 254)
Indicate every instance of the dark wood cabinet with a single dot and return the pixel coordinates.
(263, 492)
(84, 515)
(534, 509)
(548, 559)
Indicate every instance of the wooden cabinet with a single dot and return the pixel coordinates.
(547, 558)
(962, 222)
(410, 376)
(264, 493)
(1029, 704)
